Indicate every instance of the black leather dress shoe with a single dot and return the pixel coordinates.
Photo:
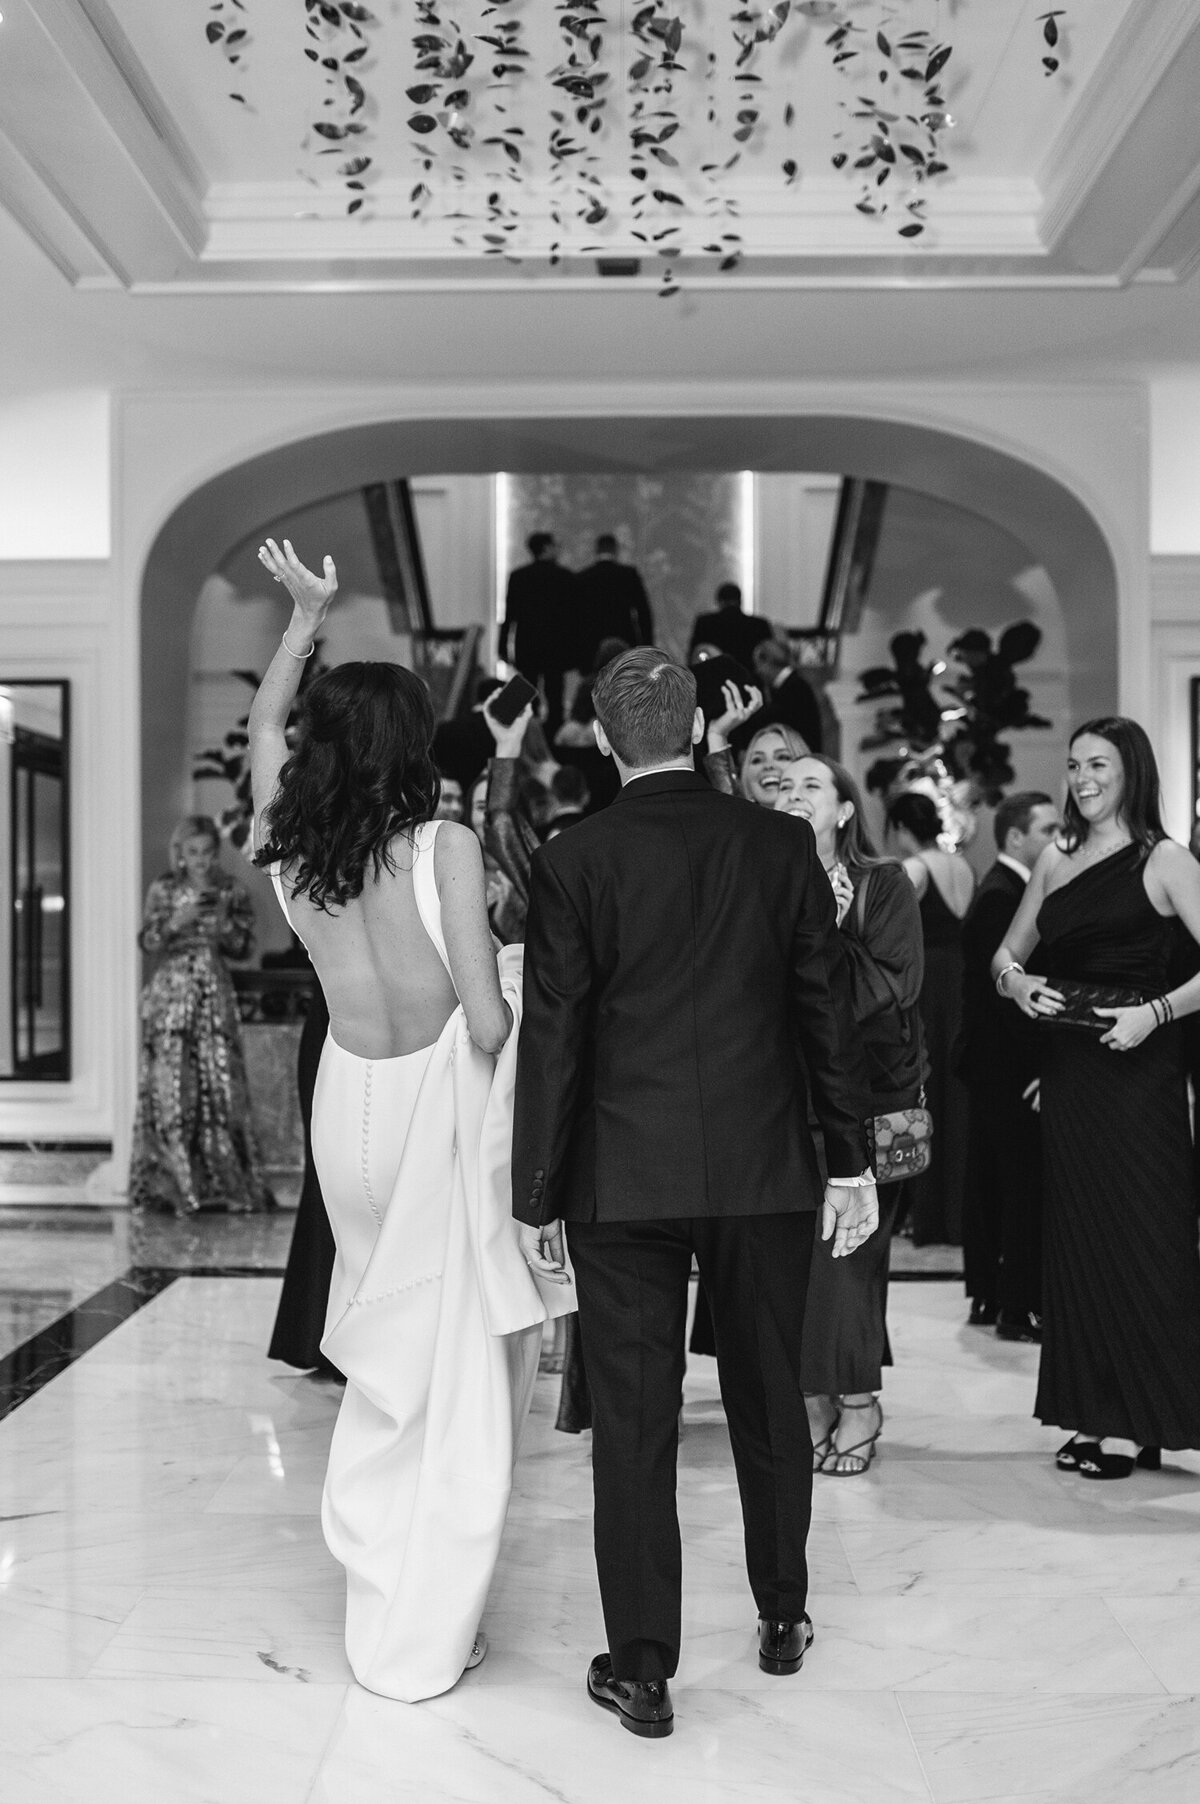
(983, 1314)
(783, 1645)
(642, 1705)
(1022, 1325)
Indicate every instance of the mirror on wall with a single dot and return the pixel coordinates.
(35, 1040)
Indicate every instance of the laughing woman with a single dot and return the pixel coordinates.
(845, 1331)
(1120, 1364)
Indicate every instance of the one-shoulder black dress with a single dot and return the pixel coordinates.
(1121, 1345)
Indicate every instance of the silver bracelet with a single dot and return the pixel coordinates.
(301, 655)
(1001, 975)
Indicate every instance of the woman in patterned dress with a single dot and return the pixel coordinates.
(193, 1143)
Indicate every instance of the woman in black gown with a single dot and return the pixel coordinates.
(1120, 1363)
(945, 884)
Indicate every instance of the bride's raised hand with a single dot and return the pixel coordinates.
(312, 594)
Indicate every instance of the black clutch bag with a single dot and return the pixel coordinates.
(1081, 1000)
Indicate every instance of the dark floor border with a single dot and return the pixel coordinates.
(925, 1277)
(47, 1354)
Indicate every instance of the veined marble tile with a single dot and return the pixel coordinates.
(270, 1482)
(1089, 1750)
(928, 1641)
(493, 1742)
(57, 1632)
(214, 1553)
(1022, 1559)
(260, 1636)
(1166, 1632)
(163, 1741)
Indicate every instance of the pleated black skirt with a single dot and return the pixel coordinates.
(1121, 1346)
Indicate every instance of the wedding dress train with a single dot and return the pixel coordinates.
(435, 1319)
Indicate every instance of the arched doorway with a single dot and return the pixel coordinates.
(1035, 507)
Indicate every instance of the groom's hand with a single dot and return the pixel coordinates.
(543, 1252)
(850, 1216)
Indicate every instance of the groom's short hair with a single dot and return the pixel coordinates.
(646, 704)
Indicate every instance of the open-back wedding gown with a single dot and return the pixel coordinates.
(435, 1319)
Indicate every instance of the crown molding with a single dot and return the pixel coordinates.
(1143, 48)
(95, 169)
(33, 199)
(92, 45)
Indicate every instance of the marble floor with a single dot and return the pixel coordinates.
(987, 1628)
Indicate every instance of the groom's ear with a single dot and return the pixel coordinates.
(602, 739)
(698, 727)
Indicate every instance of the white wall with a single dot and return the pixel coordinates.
(54, 475)
(1175, 465)
(57, 620)
(794, 518)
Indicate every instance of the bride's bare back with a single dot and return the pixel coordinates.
(386, 987)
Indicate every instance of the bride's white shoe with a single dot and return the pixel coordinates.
(476, 1656)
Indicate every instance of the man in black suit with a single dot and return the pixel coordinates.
(681, 960)
(998, 1061)
(787, 696)
(540, 633)
(613, 603)
(729, 629)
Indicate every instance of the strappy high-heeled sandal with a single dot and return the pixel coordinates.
(824, 1447)
(855, 1453)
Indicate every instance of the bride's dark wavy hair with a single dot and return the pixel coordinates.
(361, 771)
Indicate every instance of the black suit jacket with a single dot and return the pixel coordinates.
(613, 605)
(731, 631)
(681, 959)
(794, 703)
(997, 1044)
(541, 608)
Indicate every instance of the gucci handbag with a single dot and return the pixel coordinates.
(1081, 1000)
(901, 1143)
(902, 1140)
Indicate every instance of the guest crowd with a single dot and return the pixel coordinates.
(1033, 1020)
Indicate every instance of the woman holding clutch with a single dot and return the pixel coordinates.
(1120, 1363)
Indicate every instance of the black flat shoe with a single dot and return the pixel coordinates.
(643, 1706)
(783, 1645)
(983, 1315)
(1071, 1452)
(1019, 1326)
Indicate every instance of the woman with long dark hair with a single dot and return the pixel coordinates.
(845, 1329)
(1120, 1364)
(433, 1317)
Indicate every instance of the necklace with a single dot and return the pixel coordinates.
(1094, 857)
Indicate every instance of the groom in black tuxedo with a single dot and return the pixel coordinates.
(682, 974)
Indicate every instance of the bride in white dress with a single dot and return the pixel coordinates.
(433, 1316)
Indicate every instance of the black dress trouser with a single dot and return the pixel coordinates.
(632, 1283)
(1002, 1212)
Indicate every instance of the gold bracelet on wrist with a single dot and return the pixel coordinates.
(299, 655)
